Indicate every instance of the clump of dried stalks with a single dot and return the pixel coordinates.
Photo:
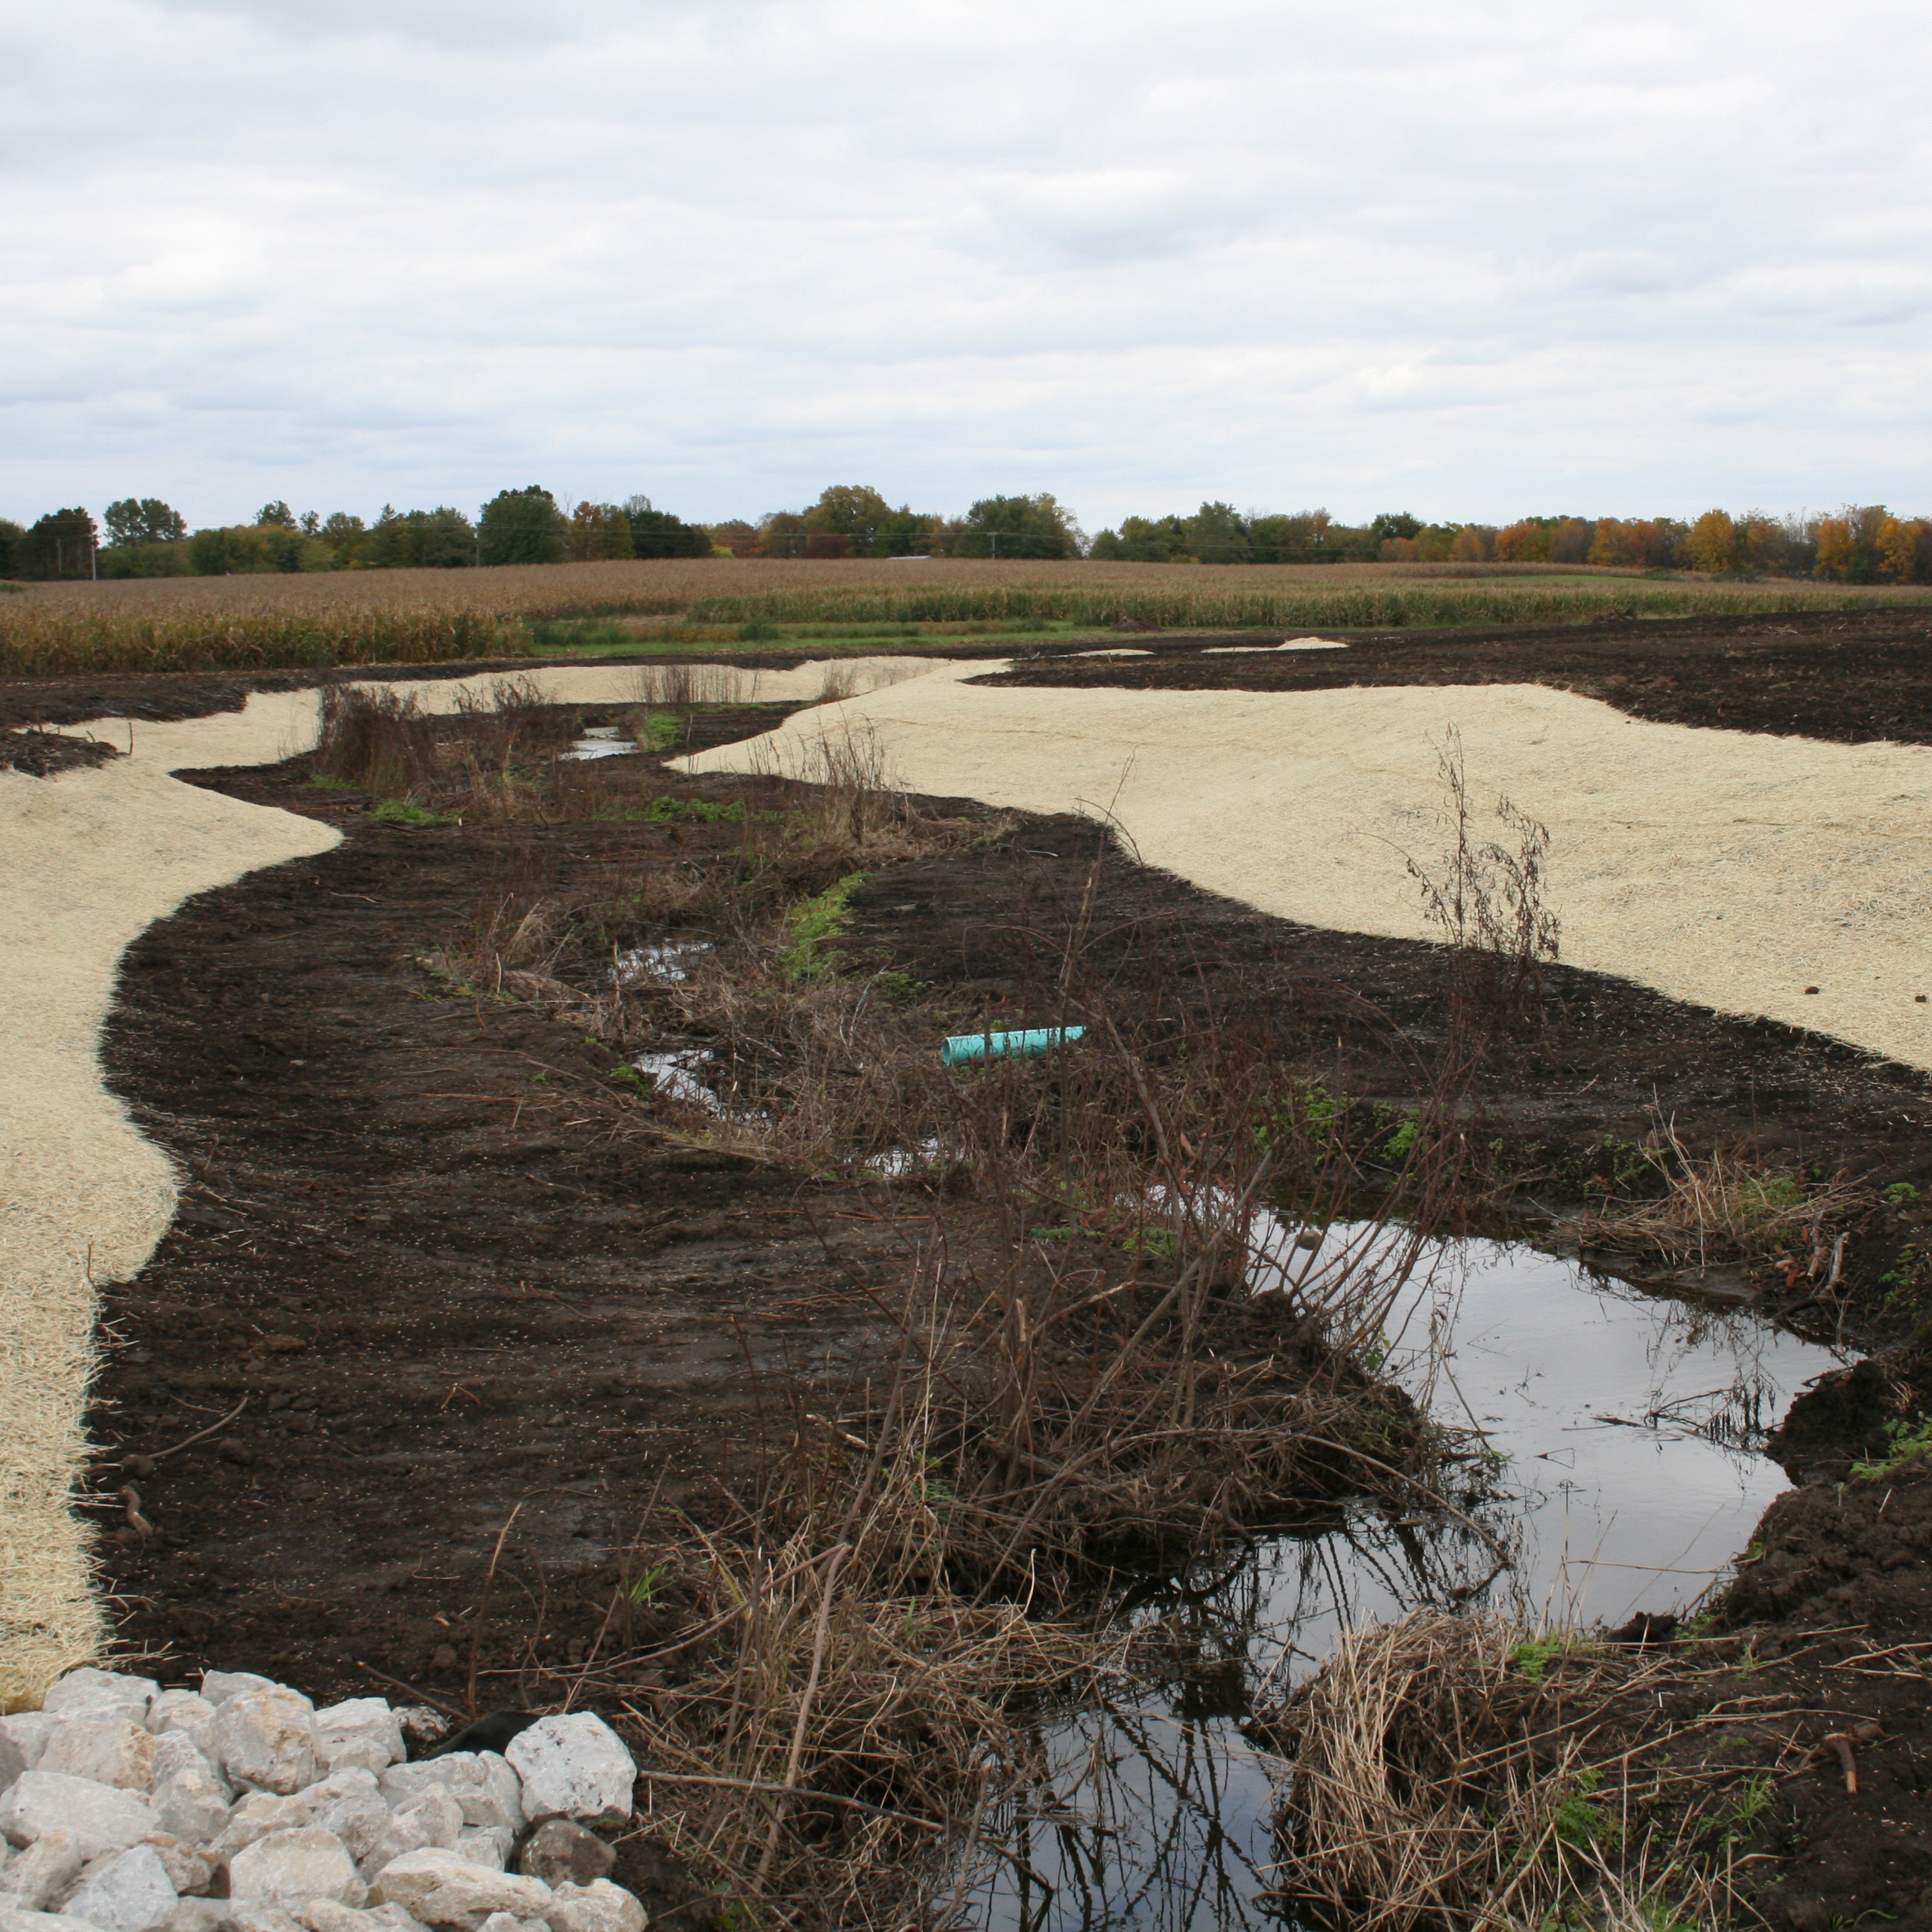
(841, 1713)
(1459, 1773)
(1730, 1207)
(468, 760)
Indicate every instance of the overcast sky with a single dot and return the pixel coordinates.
(1476, 260)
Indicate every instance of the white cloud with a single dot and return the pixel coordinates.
(1476, 259)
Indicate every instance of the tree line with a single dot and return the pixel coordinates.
(145, 537)
(1860, 545)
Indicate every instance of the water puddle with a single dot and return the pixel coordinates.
(675, 1075)
(665, 965)
(1632, 1423)
(601, 741)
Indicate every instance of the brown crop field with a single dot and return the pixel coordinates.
(412, 616)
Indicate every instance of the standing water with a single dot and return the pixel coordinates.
(1627, 1430)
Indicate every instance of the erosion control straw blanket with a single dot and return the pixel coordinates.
(1722, 868)
(87, 860)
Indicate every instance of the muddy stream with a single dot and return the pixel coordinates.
(1632, 1422)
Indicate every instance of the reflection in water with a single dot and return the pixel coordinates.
(1624, 1428)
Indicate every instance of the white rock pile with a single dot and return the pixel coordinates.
(240, 1807)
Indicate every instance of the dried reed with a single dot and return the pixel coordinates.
(1731, 1206)
(1460, 1773)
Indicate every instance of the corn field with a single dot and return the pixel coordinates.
(253, 623)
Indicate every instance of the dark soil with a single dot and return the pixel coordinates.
(40, 753)
(1853, 677)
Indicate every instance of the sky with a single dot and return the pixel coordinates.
(1472, 260)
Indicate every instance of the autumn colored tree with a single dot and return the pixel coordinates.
(1712, 544)
(1475, 543)
(1905, 550)
(782, 533)
(737, 536)
(1525, 542)
(599, 532)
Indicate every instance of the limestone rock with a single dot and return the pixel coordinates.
(285, 1871)
(27, 1731)
(430, 1821)
(197, 1914)
(185, 1714)
(109, 1751)
(43, 1871)
(218, 1686)
(189, 1871)
(176, 1751)
(502, 1921)
(482, 1782)
(598, 1906)
(362, 1731)
(101, 1693)
(13, 1919)
(323, 1915)
(489, 1845)
(130, 1892)
(559, 1853)
(350, 1805)
(267, 1739)
(101, 1818)
(193, 1804)
(265, 1918)
(13, 1760)
(257, 1815)
(573, 1765)
(442, 1888)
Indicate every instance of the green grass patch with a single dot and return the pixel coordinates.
(401, 812)
(813, 924)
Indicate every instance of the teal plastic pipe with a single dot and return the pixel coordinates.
(992, 1045)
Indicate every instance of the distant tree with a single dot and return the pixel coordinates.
(522, 527)
(275, 516)
(737, 536)
(1848, 543)
(61, 543)
(1217, 533)
(1570, 540)
(1525, 542)
(311, 523)
(1401, 550)
(1308, 536)
(1018, 526)
(10, 534)
(1475, 543)
(1398, 524)
(440, 539)
(853, 510)
(144, 520)
(782, 533)
(656, 533)
(1141, 540)
(599, 532)
(343, 533)
(1905, 550)
(1712, 543)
